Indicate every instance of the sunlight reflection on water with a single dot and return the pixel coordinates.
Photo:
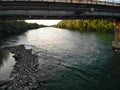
(6, 64)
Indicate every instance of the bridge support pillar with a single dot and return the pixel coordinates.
(116, 42)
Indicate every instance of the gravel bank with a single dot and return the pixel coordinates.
(24, 74)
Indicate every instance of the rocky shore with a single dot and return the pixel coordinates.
(24, 74)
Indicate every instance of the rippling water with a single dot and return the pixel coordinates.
(73, 60)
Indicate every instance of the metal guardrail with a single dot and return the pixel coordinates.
(98, 2)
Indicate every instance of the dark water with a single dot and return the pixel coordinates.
(72, 60)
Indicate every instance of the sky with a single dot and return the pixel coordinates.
(111, 0)
(44, 22)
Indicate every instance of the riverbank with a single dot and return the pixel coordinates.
(13, 27)
(87, 25)
(24, 73)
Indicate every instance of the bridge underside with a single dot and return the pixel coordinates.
(40, 14)
(47, 10)
(59, 15)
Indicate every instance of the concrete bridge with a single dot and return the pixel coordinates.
(59, 9)
(63, 9)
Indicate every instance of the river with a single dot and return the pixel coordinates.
(70, 60)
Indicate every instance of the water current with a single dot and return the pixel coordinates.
(69, 60)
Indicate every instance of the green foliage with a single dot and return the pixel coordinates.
(13, 27)
(87, 25)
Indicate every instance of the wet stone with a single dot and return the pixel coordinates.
(26, 88)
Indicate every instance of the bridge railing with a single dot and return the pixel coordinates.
(99, 2)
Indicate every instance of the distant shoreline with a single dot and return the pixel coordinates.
(13, 27)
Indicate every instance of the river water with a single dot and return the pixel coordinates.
(69, 60)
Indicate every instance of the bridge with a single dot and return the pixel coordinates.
(59, 9)
(63, 9)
